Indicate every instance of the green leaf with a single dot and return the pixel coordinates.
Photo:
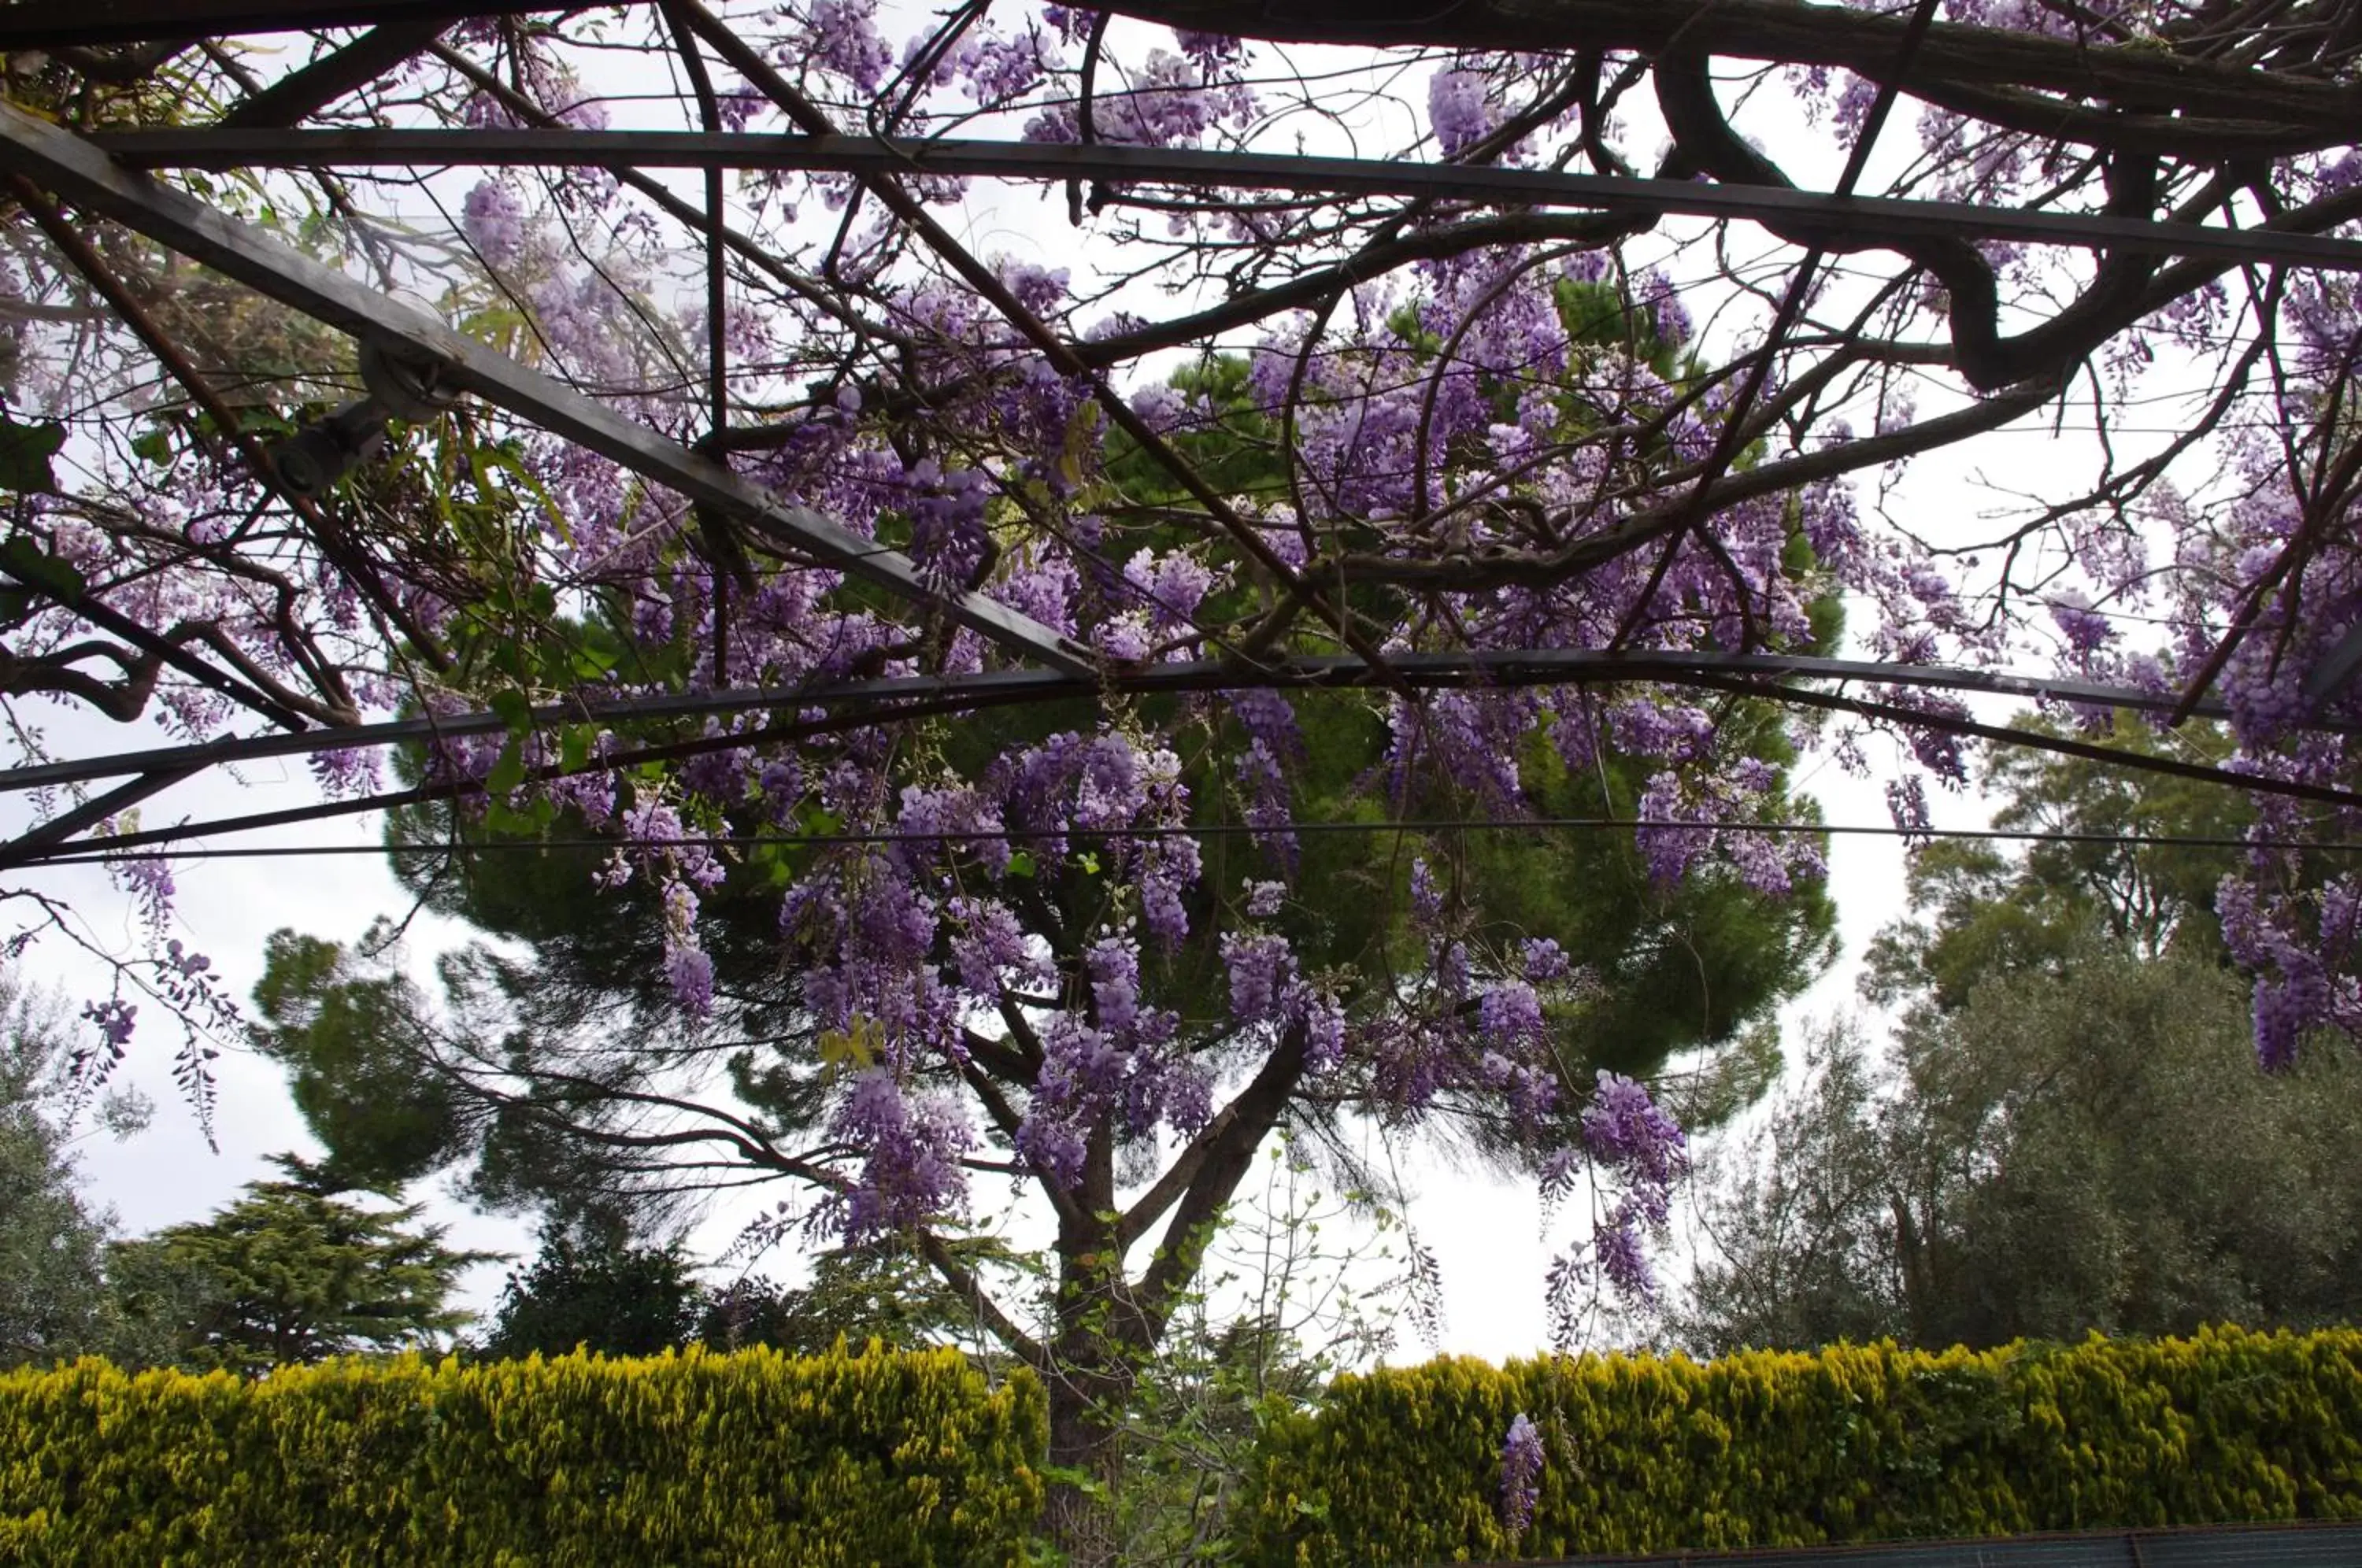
(574, 748)
(843, 1051)
(25, 454)
(509, 771)
(501, 819)
(24, 560)
(1082, 1481)
(153, 446)
(515, 710)
(1021, 864)
(1089, 862)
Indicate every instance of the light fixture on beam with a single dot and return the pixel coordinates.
(2335, 672)
(310, 462)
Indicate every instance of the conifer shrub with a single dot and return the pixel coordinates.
(1848, 1444)
(754, 1457)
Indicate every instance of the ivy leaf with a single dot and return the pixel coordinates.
(25, 454)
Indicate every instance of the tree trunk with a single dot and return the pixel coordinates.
(1080, 1515)
(1911, 1255)
(1094, 1358)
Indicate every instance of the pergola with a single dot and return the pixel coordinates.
(287, 123)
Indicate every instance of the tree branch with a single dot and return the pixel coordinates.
(1202, 1181)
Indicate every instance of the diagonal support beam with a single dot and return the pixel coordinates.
(304, 92)
(62, 162)
(30, 845)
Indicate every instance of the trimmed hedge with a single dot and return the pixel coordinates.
(752, 1458)
(1848, 1444)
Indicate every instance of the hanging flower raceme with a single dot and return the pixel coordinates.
(910, 1149)
(1521, 1470)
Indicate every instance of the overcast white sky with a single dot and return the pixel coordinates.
(1487, 1236)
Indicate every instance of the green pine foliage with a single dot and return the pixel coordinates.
(288, 1273)
(598, 1292)
(1848, 1445)
(841, 1459)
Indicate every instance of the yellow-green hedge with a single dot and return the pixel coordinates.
(753, 1458)
(1848, 1445)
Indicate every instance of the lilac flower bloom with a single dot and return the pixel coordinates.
(1624, 1261)
(1324, 1027)
(493, 218)
(1261, 967)
(1426, 897)
(690, 971)
(1544, 960)
(1458, 109)
(1510, 1014)
(1521, 1470)
(115, 1018)
(1114, 965)
(913, 1151)
(2085, 629)
(346, 771)
(1624, 1128)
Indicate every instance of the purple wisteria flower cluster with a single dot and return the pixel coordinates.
(1521, 1469)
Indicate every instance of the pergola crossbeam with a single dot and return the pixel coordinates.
(1850, 222)
(1477, 671)
(58, 24)
(64, 162)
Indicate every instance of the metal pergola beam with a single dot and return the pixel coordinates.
(55, 24)
(308, 89)
(1421, 671)
(62, 161)
(1848, 221)
(1865, 42)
